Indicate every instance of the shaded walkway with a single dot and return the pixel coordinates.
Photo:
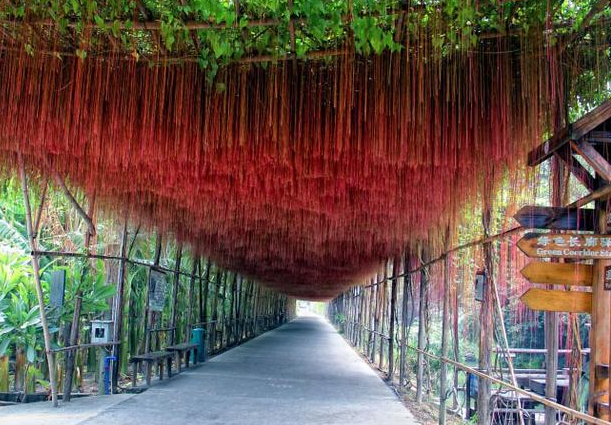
(301, 373)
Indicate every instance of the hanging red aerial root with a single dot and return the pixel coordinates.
(304, 177)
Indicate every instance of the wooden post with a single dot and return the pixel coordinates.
(190, 299)
(371, 343)
(36, 268)
(396, 270)
(175, 290)
(203, 310)
(404, 322)
(445, 325)
(601, 326)
(119, 304)
(551, 317)
(383, 310)
(217, 289)
(149, 316)
(485, 333)
(421, 331)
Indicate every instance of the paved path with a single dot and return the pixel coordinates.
(302, 373)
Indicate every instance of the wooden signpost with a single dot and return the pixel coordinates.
(560, 301)
(577, 246)
(556, 218)
(560, 245)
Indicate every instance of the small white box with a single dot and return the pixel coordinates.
(101, 331)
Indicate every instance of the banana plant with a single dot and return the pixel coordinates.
(20, 325)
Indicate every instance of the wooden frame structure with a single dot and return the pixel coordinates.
(581, 149)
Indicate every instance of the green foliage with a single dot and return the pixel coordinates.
(224, 34)
(19, 316)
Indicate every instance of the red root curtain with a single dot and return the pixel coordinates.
(304, 176)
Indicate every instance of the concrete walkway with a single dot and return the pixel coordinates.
(301, 373)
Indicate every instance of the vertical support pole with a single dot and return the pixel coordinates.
(384, 307)
(445, 327)
(601, 324)
(118, 310)
(217, 289)
(190, 299)
(551, 317)
(39, 293)
(203, 310)
(404, 322)
(396, 266)
(421, 331)
(149, 316)
(372, 323)
(175, 290)
(485, 332)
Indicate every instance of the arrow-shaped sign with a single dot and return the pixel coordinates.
(568, 245)
(558, 273)
(556, 218)
(561, 301)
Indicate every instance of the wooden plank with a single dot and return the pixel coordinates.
(556, 218)
(578, 246)
(592, 157)
(571, 274)
(560, 301)
(577, 130)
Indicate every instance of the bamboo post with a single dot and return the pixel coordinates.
(149, 316)
(444, 342)
(217, 289)
(39, 293)
(485, 334)
(391, 331)
(175, 290)
(383, 313)
(371, 340)
(190, 299)
(404, 322)
(421, 331)
(203, 310)
(118, 310)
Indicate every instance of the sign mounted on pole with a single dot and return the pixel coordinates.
(560, 301)
(556, 218)
(571, 274)
(578, 246)
(159, 290)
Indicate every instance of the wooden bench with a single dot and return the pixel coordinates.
(156, 358)
(183, 350)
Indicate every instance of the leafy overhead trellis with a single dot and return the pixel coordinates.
(305, 174)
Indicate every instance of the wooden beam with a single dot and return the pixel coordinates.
(602, 192)
(576, 168)
(592, 157)
(576, 131)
